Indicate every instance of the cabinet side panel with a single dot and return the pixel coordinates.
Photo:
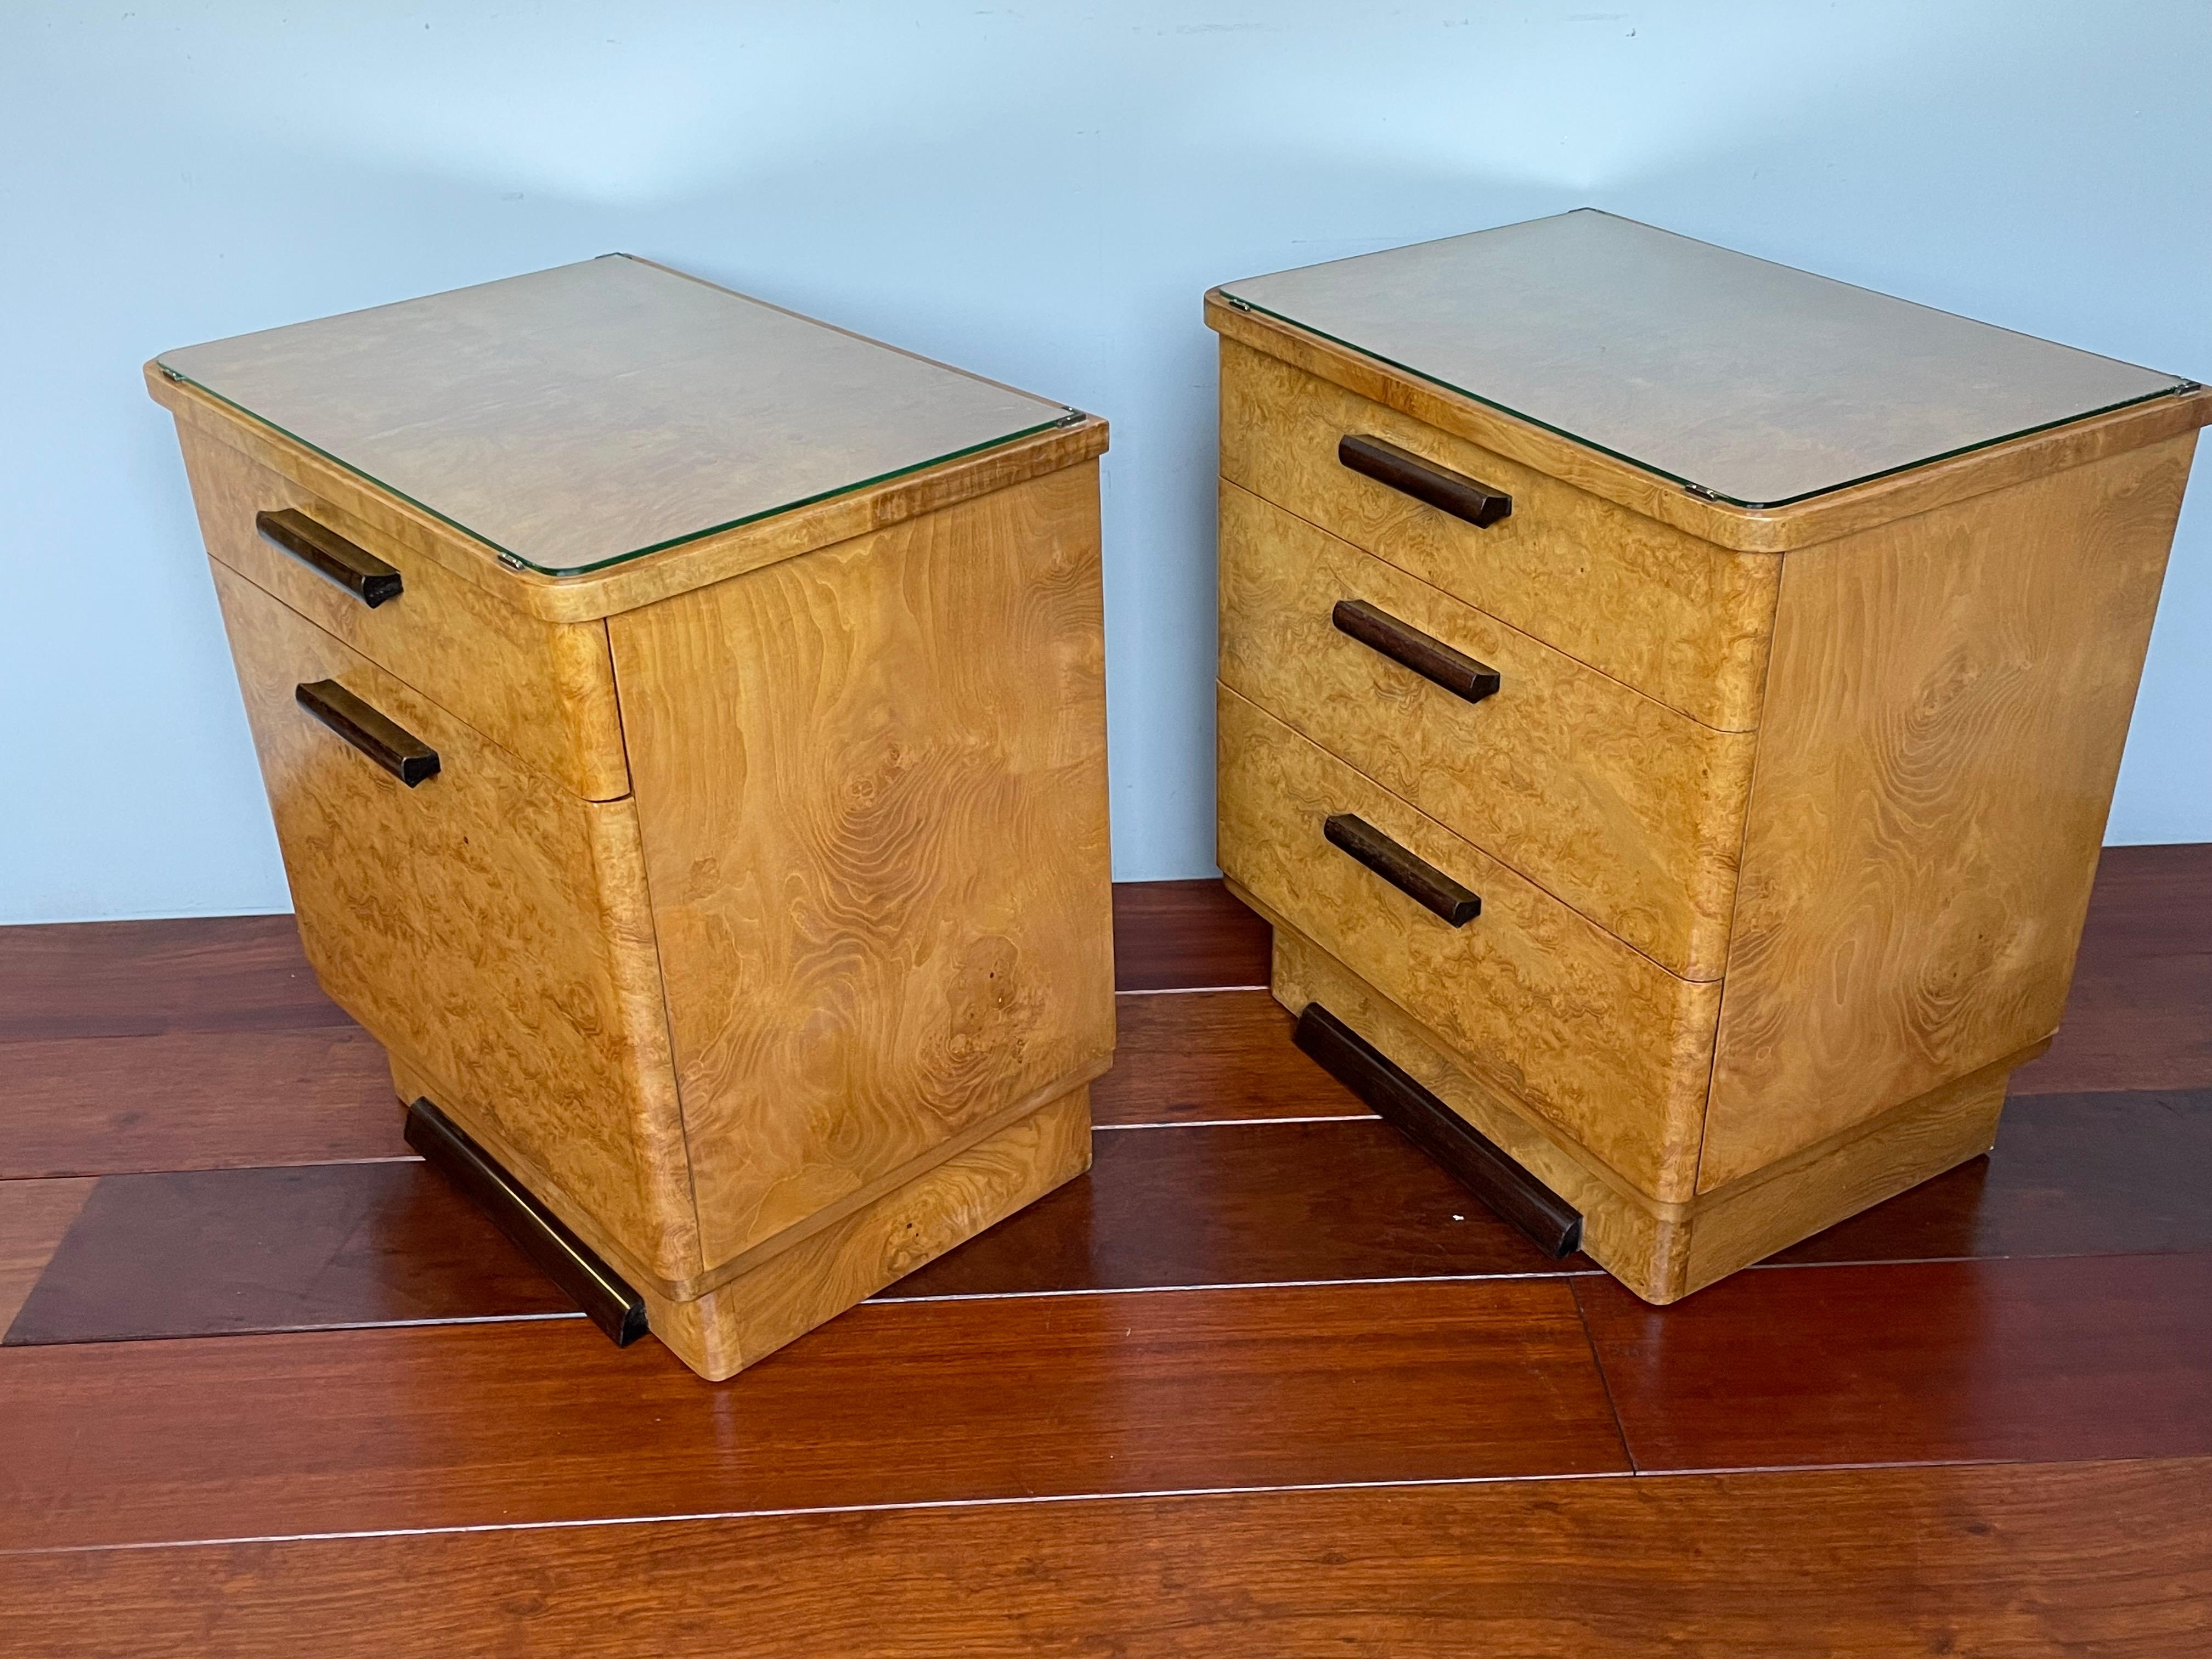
(1945, 706)
(871, 789)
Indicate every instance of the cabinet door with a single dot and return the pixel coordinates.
(485, 924)
(872, 787)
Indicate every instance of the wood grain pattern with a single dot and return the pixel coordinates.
(1755, 530)
(34, 1217)
(545, 690)
(2010, 1563)
(746, 1318)
(1946, 709)
(1762, 384)
(871, 787)
(489, 925)
(657, 576)
(578, 415)
(1531, 999)
(1679, 619)
(1629, 812)
(487, 1424)
(2081, 1357)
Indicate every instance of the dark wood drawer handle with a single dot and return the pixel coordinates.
(394, 748)
(1415, 878)
(1426, 656)
(1424, 481)
(357, 569)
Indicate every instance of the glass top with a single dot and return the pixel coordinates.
(1756, 383)
(595, 412)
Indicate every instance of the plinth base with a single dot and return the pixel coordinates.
(785, 1290)
(1664, 1251)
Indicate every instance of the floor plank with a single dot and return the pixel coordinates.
(1242, 1204)
(34, 1218)
(196, 1100)
(2072, 1174)
(227, 1252)
(449, 1425)
(138, 978)
(1245, 1203)
(2095, 1357)
(1186, 935)
(2140, 1014)
(219, 1252)
(2112, 1558)
(1201, 1057)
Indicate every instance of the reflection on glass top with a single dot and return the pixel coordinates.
(1755, 382)
(590, 413)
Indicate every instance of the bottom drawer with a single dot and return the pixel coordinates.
(486, 924)
(1533, 998)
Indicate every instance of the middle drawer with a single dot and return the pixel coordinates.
(1537, 1002)
(1629, 812)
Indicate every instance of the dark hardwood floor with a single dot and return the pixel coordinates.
(1264, 1382)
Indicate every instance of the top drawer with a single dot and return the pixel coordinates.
(1679, 619)
(545, 691)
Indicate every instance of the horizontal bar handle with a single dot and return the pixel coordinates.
(354, 568)
(1416, 878)
(1426, 656)
(1480, 1163)
(1424, 481)
(393, 747)
(565, 1259)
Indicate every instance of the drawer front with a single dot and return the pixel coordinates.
(1535, 1000)
(546, 690)
(1677, 618)
(1631, 812)
(488, 924)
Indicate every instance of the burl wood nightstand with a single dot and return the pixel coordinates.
(1669, 705)
(685, 727)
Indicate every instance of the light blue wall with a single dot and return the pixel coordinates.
(1038, 193)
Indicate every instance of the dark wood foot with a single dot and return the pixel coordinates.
(1477, 1161)
(566, 1259)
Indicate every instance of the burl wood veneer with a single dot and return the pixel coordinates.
(685, 725)
(1757, 651)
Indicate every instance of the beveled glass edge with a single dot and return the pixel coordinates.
(1706, 490)
(514, 561)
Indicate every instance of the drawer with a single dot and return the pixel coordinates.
(1673, 617)
(546, 690)
(1536, 1001)
(1631, 812)
(487, 924)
